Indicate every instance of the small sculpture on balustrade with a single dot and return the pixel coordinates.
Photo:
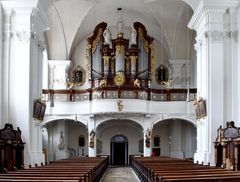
(136, 83)
(133, 37)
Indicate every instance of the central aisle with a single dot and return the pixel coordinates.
(120, 174)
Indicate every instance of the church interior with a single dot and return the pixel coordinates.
(120, 83)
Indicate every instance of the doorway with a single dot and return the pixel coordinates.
(119, 150)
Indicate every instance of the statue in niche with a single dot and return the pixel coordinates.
(107, 36)
(133, 37)
(148, 137)
(92, 135)
(61, 144)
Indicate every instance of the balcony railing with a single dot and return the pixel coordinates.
(120, 93)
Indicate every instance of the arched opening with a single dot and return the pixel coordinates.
(65, 139)
(119, 137)
(174, 138)
(119, 150)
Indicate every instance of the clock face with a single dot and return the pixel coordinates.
(119, 79)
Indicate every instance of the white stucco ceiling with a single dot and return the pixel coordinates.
(74, 20)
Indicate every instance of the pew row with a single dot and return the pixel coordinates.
(88, 169)
(161, 169)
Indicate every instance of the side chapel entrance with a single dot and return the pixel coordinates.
(119, 150)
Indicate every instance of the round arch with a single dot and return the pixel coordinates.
(189, 120)
(49, 119)
(138, 123)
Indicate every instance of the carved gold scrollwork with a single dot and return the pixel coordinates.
(153, 59)
(103, 83)
(96, 41)
(106, 60)
(120, 49)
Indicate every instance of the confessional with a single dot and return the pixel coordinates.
(227, 147)
(11, 149)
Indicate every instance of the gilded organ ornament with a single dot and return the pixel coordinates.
(119, 79)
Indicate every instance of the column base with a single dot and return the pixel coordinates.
(61, 154)
(147, 151)
(37, 158)
(204, 157)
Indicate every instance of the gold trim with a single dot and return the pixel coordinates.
(96, 41)
(120, 49)
(133, 59)
(103, 83)
(153, 59)
(106, 60)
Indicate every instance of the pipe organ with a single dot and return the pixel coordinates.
(120, 62)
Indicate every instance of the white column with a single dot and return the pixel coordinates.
(1, 68)
(147, 149)
(57, 75)
(233, 33)
(176, 137)
(147, 131)
(209, 23)
(92, 150)
(7, 36)
(21, 81)
(237, 55)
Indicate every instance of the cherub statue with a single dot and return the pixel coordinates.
(133, 37)
(136, 83)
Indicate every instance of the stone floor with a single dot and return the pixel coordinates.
(120, 174)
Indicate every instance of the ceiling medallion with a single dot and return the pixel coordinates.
(119, 79)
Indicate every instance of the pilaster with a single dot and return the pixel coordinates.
(147, 136)
(21, 65)
(213, 72)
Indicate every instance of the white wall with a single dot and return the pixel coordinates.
(1, 63)
(131, 133)
(75, 130)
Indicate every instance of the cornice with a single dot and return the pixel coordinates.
(22, 6)
(208, 6)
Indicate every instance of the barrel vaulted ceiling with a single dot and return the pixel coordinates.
(72, 21)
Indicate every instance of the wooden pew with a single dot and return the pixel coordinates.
(170, 169)
(76, 169)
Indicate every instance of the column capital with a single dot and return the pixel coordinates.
(209, 14)
(215, 36)
(23, 6)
